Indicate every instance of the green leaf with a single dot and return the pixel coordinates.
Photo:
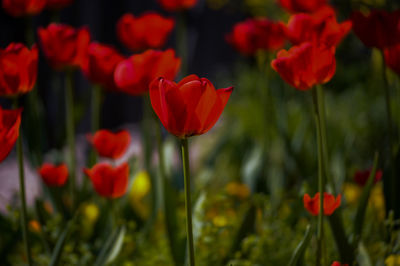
(62, 239)
(363, 256)
(112, 247)
(298, 253)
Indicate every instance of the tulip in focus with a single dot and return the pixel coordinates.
(18, 8)
(134, 74)
(256, 34)
(306, 65)
(297, 6)
(64, 46)
(18, 69)
(10, 121)
(190, 107)
(177, 5)
(361, 177)
(108, 181)
(58, 4)
(330, 203)
(109, 144)
(54, 175)
(100, 65)
(149, 30)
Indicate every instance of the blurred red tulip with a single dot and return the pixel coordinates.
(321, 27)
(297, 6)
(392, 58)
(108, 181)
(100, 65)
(133, 75)
(18, 8)
(306, 65)
(256, 34)
(63, 45)
(10, 120)
(330, 203)
(109, 144)
(149, 30)
(52, 175)
(177, 5)
(188, 108)
(18, 69)
(378, 29)
(336, 263)
(361, 177)
(58, 4)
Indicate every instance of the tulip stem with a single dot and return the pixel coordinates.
(70, 131)
(316, 95)
(20, 155)
(188, 202)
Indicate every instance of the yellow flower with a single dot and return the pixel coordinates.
(220, 221)
(34, 226)
(377, 200)
(393, 260)
(140, 188)
(238, 190)
(91, 212)
(352, 192)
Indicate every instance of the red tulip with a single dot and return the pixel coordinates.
(252, 35)
(150, 30)
(109, 182)
(18, 8)
(63, 45)
(133, 75)
(58, 4)
(177, 5)
(336, 263)
(101, 63)
(111, 145)
(188, 108)
(361, 177)
(54, 176)
(306, 65)
(320, 27)
(18, 69)
(10, 120)
(392, 58)
(330, 203)
(378, 29)
(297, 6)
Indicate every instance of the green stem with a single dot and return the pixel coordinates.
(24, 222)
(70, 132)
(317, 115)
(182, 45)
(188, 202)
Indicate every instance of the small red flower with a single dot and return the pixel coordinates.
(18, 69)
(18, 8)
(306, 65)
(256, 34)
(297, 6)
(133, 75)
(392, 58)
(336, 263)
(378, 29)
(109, 182)
(63, 45)
(177, 5)
(361, 177)
(58, 4)
(52, 175)
(10, 120)
(320, 27)
(101, 63)
(109, 144)
(149, 30)
(188, 108)
(330, 203)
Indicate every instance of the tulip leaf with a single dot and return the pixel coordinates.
(62, 240)
(298, 253)
(112, 247)
(363, 257)
(362, 207)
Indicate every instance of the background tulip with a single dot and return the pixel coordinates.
(188, 108)
(306, 65)
(392, 58)
(63, 45)
(54, 175)
(361, 177)
(19, 8)
(18, 69)
(10, 120)
(133, 75)
(58, 4)
(149, 30)
(296, 6)
(108, 181)
(176, 5)
(111, 145)
(330, 203)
